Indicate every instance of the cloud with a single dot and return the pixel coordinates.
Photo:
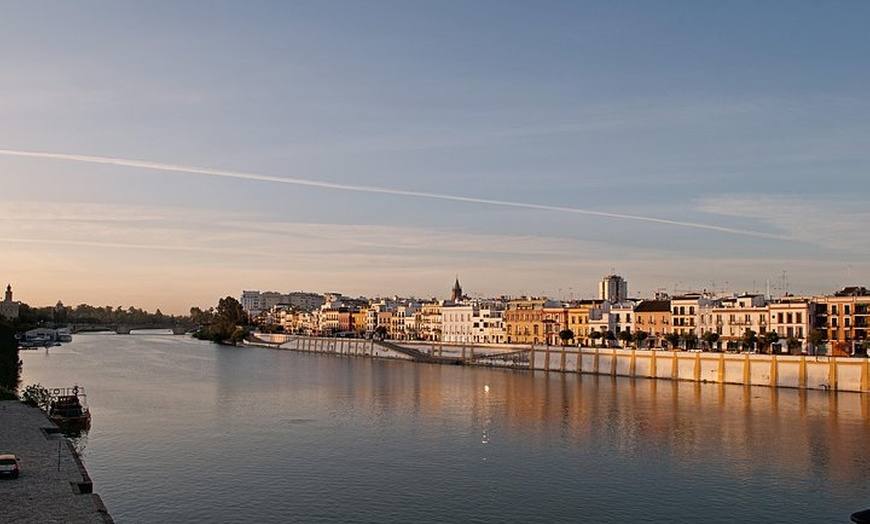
(372, 189)
(838, 224)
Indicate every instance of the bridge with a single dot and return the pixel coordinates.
(126, 329)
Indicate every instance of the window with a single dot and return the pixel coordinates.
(691, 310)
(789, 318)
(833, 309)
(798, 318)
(846, 309)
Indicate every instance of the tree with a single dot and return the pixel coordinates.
(690, 339)
(230, 323)
(768, 339)
(814, 338)
(639, 337)
(10, 365)
(595, 335)
(625, 337)
(749, 339)
(381, 332)
(565, 335)
(793, 345)
(710, 338)
(673, 339)
(230, 311)
(609, 336)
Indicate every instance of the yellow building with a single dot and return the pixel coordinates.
(578, 315)
(524, 321)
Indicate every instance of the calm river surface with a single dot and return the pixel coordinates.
(187, 431)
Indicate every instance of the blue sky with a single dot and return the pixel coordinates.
(684, 145)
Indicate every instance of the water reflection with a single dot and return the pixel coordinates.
(186, 423)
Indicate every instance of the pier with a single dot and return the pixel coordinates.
(54, 485)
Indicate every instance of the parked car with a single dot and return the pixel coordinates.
(9, 466)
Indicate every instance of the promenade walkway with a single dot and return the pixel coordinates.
(54, 486)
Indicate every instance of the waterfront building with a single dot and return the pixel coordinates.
(430, 321)
(654, 318)
(358, 321)
(613, 288)
(691, 315)
(844, 318)
(488, 326)
(255, 302)
(735, 315)
(792, 318)
(579, 314)
(9, 308)
(457, 321)
(555, 320)
(404, 322)
(621, 317)
(524, 321)
(601, 321)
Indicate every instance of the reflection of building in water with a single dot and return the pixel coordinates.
(802, 433)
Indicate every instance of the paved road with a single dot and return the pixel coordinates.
(52, 480)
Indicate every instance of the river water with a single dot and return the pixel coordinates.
(187, 431)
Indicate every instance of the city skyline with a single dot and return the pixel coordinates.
(166, 156)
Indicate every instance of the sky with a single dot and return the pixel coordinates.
(166, 154)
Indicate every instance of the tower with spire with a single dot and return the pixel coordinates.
(9, 308)
(457, 291)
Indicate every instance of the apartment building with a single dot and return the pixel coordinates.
(524, 321)
(654, 318)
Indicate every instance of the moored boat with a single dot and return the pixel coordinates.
(68, 408)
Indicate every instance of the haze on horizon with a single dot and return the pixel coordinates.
(380, 148)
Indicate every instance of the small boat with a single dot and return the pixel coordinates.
(68, 408)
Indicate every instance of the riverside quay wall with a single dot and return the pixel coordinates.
(826, 373)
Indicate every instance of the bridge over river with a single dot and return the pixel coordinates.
(127, 329)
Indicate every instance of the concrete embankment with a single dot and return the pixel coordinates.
(786, 371)
(53, 485)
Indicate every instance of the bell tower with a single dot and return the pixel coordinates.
(457, 291)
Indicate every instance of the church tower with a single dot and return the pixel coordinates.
(8, 292)
(457, 291)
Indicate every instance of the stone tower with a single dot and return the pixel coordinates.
(457, 291)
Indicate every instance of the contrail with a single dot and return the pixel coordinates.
(158, 166)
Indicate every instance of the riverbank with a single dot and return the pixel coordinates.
(824, 373)
(54, 485)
